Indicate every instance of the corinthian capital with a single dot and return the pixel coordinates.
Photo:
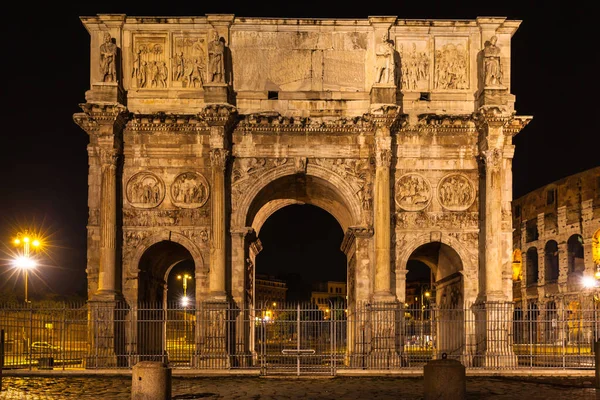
(383, 157)
(218, 158)
(109, 157)
(492, 158)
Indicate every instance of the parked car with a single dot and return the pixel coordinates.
(44, 348)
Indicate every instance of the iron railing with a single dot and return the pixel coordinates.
(297, 338)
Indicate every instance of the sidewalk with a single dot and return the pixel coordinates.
(107, 387)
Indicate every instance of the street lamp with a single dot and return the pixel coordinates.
(184, 301)
(24, 262)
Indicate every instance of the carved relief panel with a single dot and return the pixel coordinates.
(145, 190)
(451, 64)
(188, 61)
(189, 190)
(412, 192)
(415, 64)
(456, 192)
(150, 69)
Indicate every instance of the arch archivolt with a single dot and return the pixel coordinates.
(168, 236)
(467, 258)
(408, 243)
(244, 194)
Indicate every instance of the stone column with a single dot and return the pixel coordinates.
(220, 118)
(494, 311)
(563, 266)
(108, 222)
(215, 313)
(492, 208)
(382, 223)
(218, 159)
(104, 123)
(587, 230)
(383, 118)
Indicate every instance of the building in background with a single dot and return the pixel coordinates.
(325, 294)
(270, 290)
(556, 259)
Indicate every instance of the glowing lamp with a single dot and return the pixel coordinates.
(24, 263)
(185, 301)
(589, 282)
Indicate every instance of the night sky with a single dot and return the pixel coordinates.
(45, 70)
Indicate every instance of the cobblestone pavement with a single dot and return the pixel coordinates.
(257, 388)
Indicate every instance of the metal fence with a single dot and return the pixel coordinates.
(297, 338)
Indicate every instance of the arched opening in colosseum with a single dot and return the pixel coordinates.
(442, 264)
(596, 247)
(532, 266)
(517, 265)
(551, 262)
(575, 260)
(164, 319)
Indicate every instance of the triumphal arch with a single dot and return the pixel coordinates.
(200, 128)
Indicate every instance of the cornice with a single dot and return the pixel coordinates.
(436, 124)
(95, 117)
(275, 123)
(161, 122)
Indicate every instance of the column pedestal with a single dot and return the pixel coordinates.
(494, 326)
(383, 94)
(216, 93)
(106, 334)
(212, 343)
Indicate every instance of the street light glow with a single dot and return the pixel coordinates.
(24, 262)
(185, 301)
(589, 282)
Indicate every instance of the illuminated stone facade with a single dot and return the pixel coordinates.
(200, 128)
(556, 240)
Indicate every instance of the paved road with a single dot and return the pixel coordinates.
(257, 388)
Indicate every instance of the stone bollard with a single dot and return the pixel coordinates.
(151, 380)
(444, 380)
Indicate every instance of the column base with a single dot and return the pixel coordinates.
(383, 297)
(382, 359)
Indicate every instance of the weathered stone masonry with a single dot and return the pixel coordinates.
(401, 129)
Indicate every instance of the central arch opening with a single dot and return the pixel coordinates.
(296, 272)
(301, 248)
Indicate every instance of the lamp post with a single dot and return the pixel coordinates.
(425, 294)
(25, 262)
(184, 301)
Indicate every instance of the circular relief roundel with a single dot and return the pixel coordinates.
(145, 190)
(189, 190)
(456, 192)
(412, 192)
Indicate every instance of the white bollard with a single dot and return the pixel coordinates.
(444, 380)
(151, 380)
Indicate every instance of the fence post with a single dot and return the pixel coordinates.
(1, 355)
(597, 362)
